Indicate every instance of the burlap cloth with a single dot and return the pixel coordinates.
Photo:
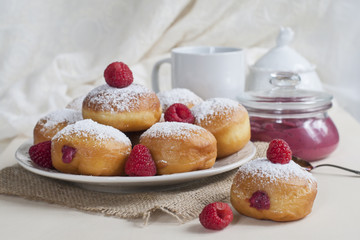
(185, 203)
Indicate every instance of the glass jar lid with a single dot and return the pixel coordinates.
(285, 98)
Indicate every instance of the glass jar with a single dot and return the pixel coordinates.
(295, 115)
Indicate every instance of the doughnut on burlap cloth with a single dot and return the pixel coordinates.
(185, 202)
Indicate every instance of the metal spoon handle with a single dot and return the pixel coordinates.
(336, 166)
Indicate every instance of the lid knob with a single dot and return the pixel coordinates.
(285, 36)
(285, 79)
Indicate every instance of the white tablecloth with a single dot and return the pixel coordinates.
(335, 213)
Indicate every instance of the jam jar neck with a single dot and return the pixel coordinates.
(282, 115)
(285, 100)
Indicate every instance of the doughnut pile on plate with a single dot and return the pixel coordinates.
(96, 133)
(122, 128)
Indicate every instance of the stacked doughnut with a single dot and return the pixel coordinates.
(47, 126)
(180, 147)
(90, 148)
(227, 120)
(129, 109)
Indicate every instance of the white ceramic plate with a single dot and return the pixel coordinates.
(131, 184)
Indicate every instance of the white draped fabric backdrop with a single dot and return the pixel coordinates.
(53, 51)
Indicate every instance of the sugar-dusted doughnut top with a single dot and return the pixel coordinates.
(263, 169)
(109, 99)
(214, 106)
(89, 129)
(76, 103)
(176, 130)
(52, 119)
(217, 113)
(178, 95)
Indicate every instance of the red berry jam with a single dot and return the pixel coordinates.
(260, 200)
(68, 154)
(310, 139)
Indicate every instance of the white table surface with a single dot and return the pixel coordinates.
(335, 212)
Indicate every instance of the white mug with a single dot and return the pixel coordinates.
(207, 71)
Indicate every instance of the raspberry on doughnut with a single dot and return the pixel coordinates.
(279, 151)
(179, 112)
(118, 75)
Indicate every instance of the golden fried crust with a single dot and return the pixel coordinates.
(290, 199)
(140, 118)
(49, 125)
(172, 155)
(231, 130)
(42, 134)
(106, 158)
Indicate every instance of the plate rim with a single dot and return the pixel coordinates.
(128, 180)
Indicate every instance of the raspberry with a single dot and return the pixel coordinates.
(68, 154)
(279, 151)
(118, 75)
(260, 200)
(41, 154)
(216, 216)
(179, 112)
(140, 162)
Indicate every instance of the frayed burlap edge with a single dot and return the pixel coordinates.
(183, 203)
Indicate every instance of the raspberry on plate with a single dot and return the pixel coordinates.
(279, 151)
(140, 162)
(118, 75)
(216, 216)
(179, 112)
(41, 154)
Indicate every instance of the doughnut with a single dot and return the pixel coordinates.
(90, 148)
(227, 120)
(76, 104)
(129, 109)
(279, 192)
(178, 95)
(179, 147)
(53, 122)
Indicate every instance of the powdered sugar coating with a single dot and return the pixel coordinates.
(89, 128)
(178, 95)
(263, 168)
(112, 99)
(76, 103)
(177, 130)
(214, 106)
(67, 116)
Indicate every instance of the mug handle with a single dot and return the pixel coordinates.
(155, 74)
